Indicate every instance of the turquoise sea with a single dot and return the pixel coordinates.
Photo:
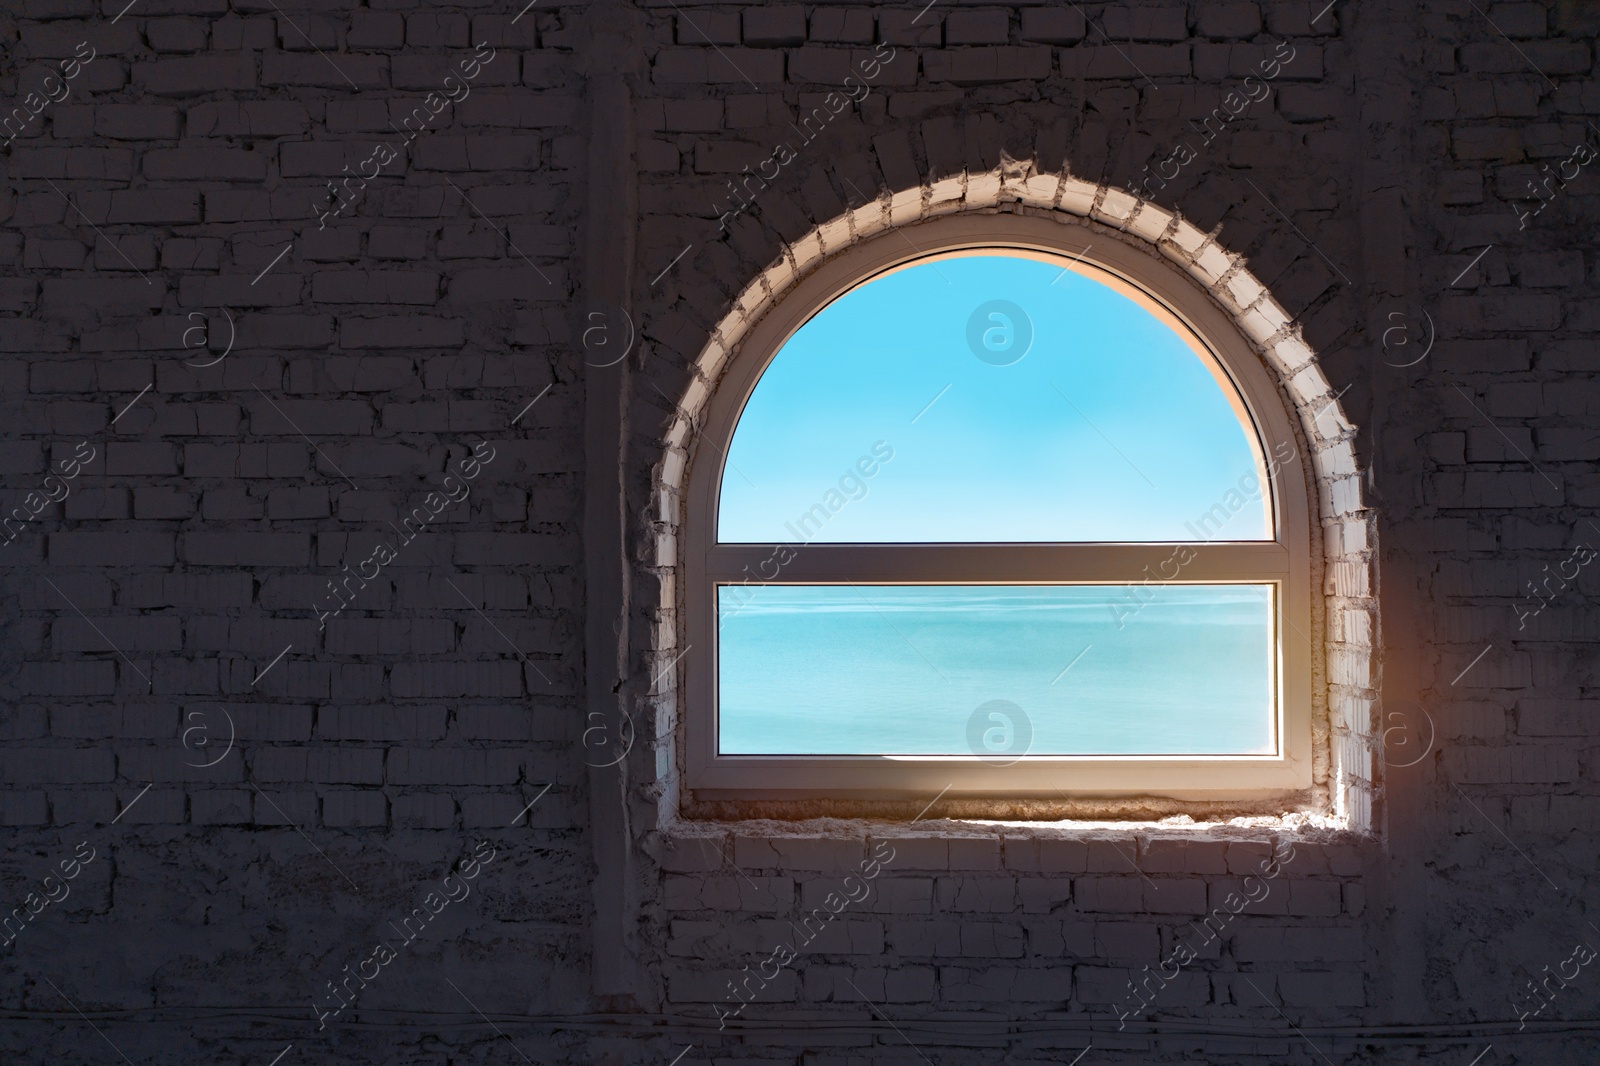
(916, 670)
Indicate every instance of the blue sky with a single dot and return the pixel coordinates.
(1107, 428)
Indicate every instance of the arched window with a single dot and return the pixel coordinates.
(1011, 517)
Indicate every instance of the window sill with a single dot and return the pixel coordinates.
(966, 846)
(1300, 810)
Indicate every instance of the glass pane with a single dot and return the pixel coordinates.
(995, 671)
(990, 398)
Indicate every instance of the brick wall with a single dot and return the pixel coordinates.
(312, 593)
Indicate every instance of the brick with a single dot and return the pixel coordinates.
(257, 118)
(984, 66)
(1111, 856)
(221, 806)
(1137, 942)
(841, 26)
(51, 766)
(61, 294)
(145, 207)
(1322, 990)
(1504, 489)
(1224, 21)
(774, 24)
(1518, 20)
(1309, 898)
(974, 854)
(1041, 895)
(441, 766)
(507, 30)
(436, 679)
(1514, 765)
(272, 290)
(1052, 25)
(1170, 895)
(920, 939)
(193, 75)
(389, 723)
(712, 987)
(1323, 945)
(995, 894)
(80, 678)
(1006, 984)
(111, 549)
(432, 29)
(376, 30)
(977, 27)
(915, 28)
(1101, 984)
(386, 636)
(1113, 894)
(355, 809)
(136, 121)
(1557, 718)
(320, 417)
(342, 765)
(176, 34)
(917, 853)
(424, 810)
(701, 66)
(1246, 858)
(842, 935)
(22, 723)
(247, 549)
(905, 985)
(147, 633)
(166, 763)
(156, 806)
(426, 73)
(79, 807)
(285, 807)
(1182, 856)
(772, 895)
(252, 722)
(515, 723)
(58, 40)
(366, 72)
(1145, 23)
(389, 286)
(23, 808)
(901, 895)
(799, 853)
(204, 164)
(1062, 856)
(708, 27)
(498, 810)
(692, 854)
(130, 459)
(1126, 62)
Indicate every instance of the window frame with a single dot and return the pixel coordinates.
(1284, 562)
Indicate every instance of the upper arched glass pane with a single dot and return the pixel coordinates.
(994, 397)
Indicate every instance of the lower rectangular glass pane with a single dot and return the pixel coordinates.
(996, 671)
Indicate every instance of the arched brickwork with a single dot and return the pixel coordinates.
(1344, 637)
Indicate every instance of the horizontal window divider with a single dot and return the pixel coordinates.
(1050, 778)
(999, 564)
(976, 761)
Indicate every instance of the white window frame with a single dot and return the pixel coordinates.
(1284, 563)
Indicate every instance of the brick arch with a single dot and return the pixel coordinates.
(1344, 673)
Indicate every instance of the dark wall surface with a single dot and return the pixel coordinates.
(338, 345)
